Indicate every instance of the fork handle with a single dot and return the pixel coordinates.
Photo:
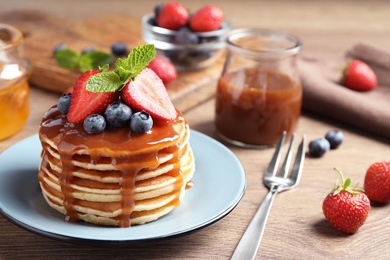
(250, 241)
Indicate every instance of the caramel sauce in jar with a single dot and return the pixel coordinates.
(259, 94)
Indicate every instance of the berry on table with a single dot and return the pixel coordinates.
(119, 48)
(346, 208)
(377, 182)
(335, 138)
(318, 147)
(63, 103)
(94, 124)
(117, 114)
(141, 122)
(359, 76)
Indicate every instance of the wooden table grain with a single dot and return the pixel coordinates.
(296, 227)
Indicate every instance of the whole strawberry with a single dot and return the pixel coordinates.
(346, 208)
(207, 18)
(359, 76)
(173, 16)
(377, 182)
(163, 68)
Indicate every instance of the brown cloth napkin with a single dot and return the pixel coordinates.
(323, 94)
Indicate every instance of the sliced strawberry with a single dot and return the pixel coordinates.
(147, 92)
(84, 102)
(163, 68)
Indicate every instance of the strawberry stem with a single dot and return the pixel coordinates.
(345, 185)
(341, 175)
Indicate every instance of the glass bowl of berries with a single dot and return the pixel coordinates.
(190, 41)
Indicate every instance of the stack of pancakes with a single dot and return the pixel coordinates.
(115, 178)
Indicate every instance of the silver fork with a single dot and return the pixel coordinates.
(276, 182)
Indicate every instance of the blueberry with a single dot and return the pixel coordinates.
(59, 47)
(141, 122)
(63, 103)
(118, 114)
(318, 147)
(119, 48)
(88, 50)
(94, 124)
(335, 138)
(185, 36)
(157, 9)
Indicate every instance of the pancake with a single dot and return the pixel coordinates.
(115, 178)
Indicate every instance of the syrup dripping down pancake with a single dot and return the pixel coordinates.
(115, 178)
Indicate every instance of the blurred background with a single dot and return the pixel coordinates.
(314, 19)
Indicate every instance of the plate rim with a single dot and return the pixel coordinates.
(167, 236)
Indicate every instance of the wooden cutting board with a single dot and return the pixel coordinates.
(43, 31)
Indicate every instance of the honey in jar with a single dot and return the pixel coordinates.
(259, 94)
(14, 88)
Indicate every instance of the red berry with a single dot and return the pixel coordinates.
(173, 16)
(346, 208)
(208, 18)
(163, 68)
(377, 182)
(84, 102)
(359, 76)
(147, 92)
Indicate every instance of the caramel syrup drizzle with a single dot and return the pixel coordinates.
(71, 138)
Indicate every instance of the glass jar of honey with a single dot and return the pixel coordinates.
(14, 88)
(259, 94)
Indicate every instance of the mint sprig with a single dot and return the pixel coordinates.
(125, 70)
(69, 58)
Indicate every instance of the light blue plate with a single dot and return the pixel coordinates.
(219, 184)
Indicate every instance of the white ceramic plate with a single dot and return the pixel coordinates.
(219, 184)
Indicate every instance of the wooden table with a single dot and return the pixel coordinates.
(296, 227)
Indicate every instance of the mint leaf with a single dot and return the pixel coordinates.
(124, 74)
(125, 69)
(140, 57)
(105, 67)
(104, 82)
(67, 58)
(93, 60)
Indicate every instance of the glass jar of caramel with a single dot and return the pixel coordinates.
(259, 94)
(14, 89)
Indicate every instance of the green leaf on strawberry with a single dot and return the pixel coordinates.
(107, 81)
(125, 70)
